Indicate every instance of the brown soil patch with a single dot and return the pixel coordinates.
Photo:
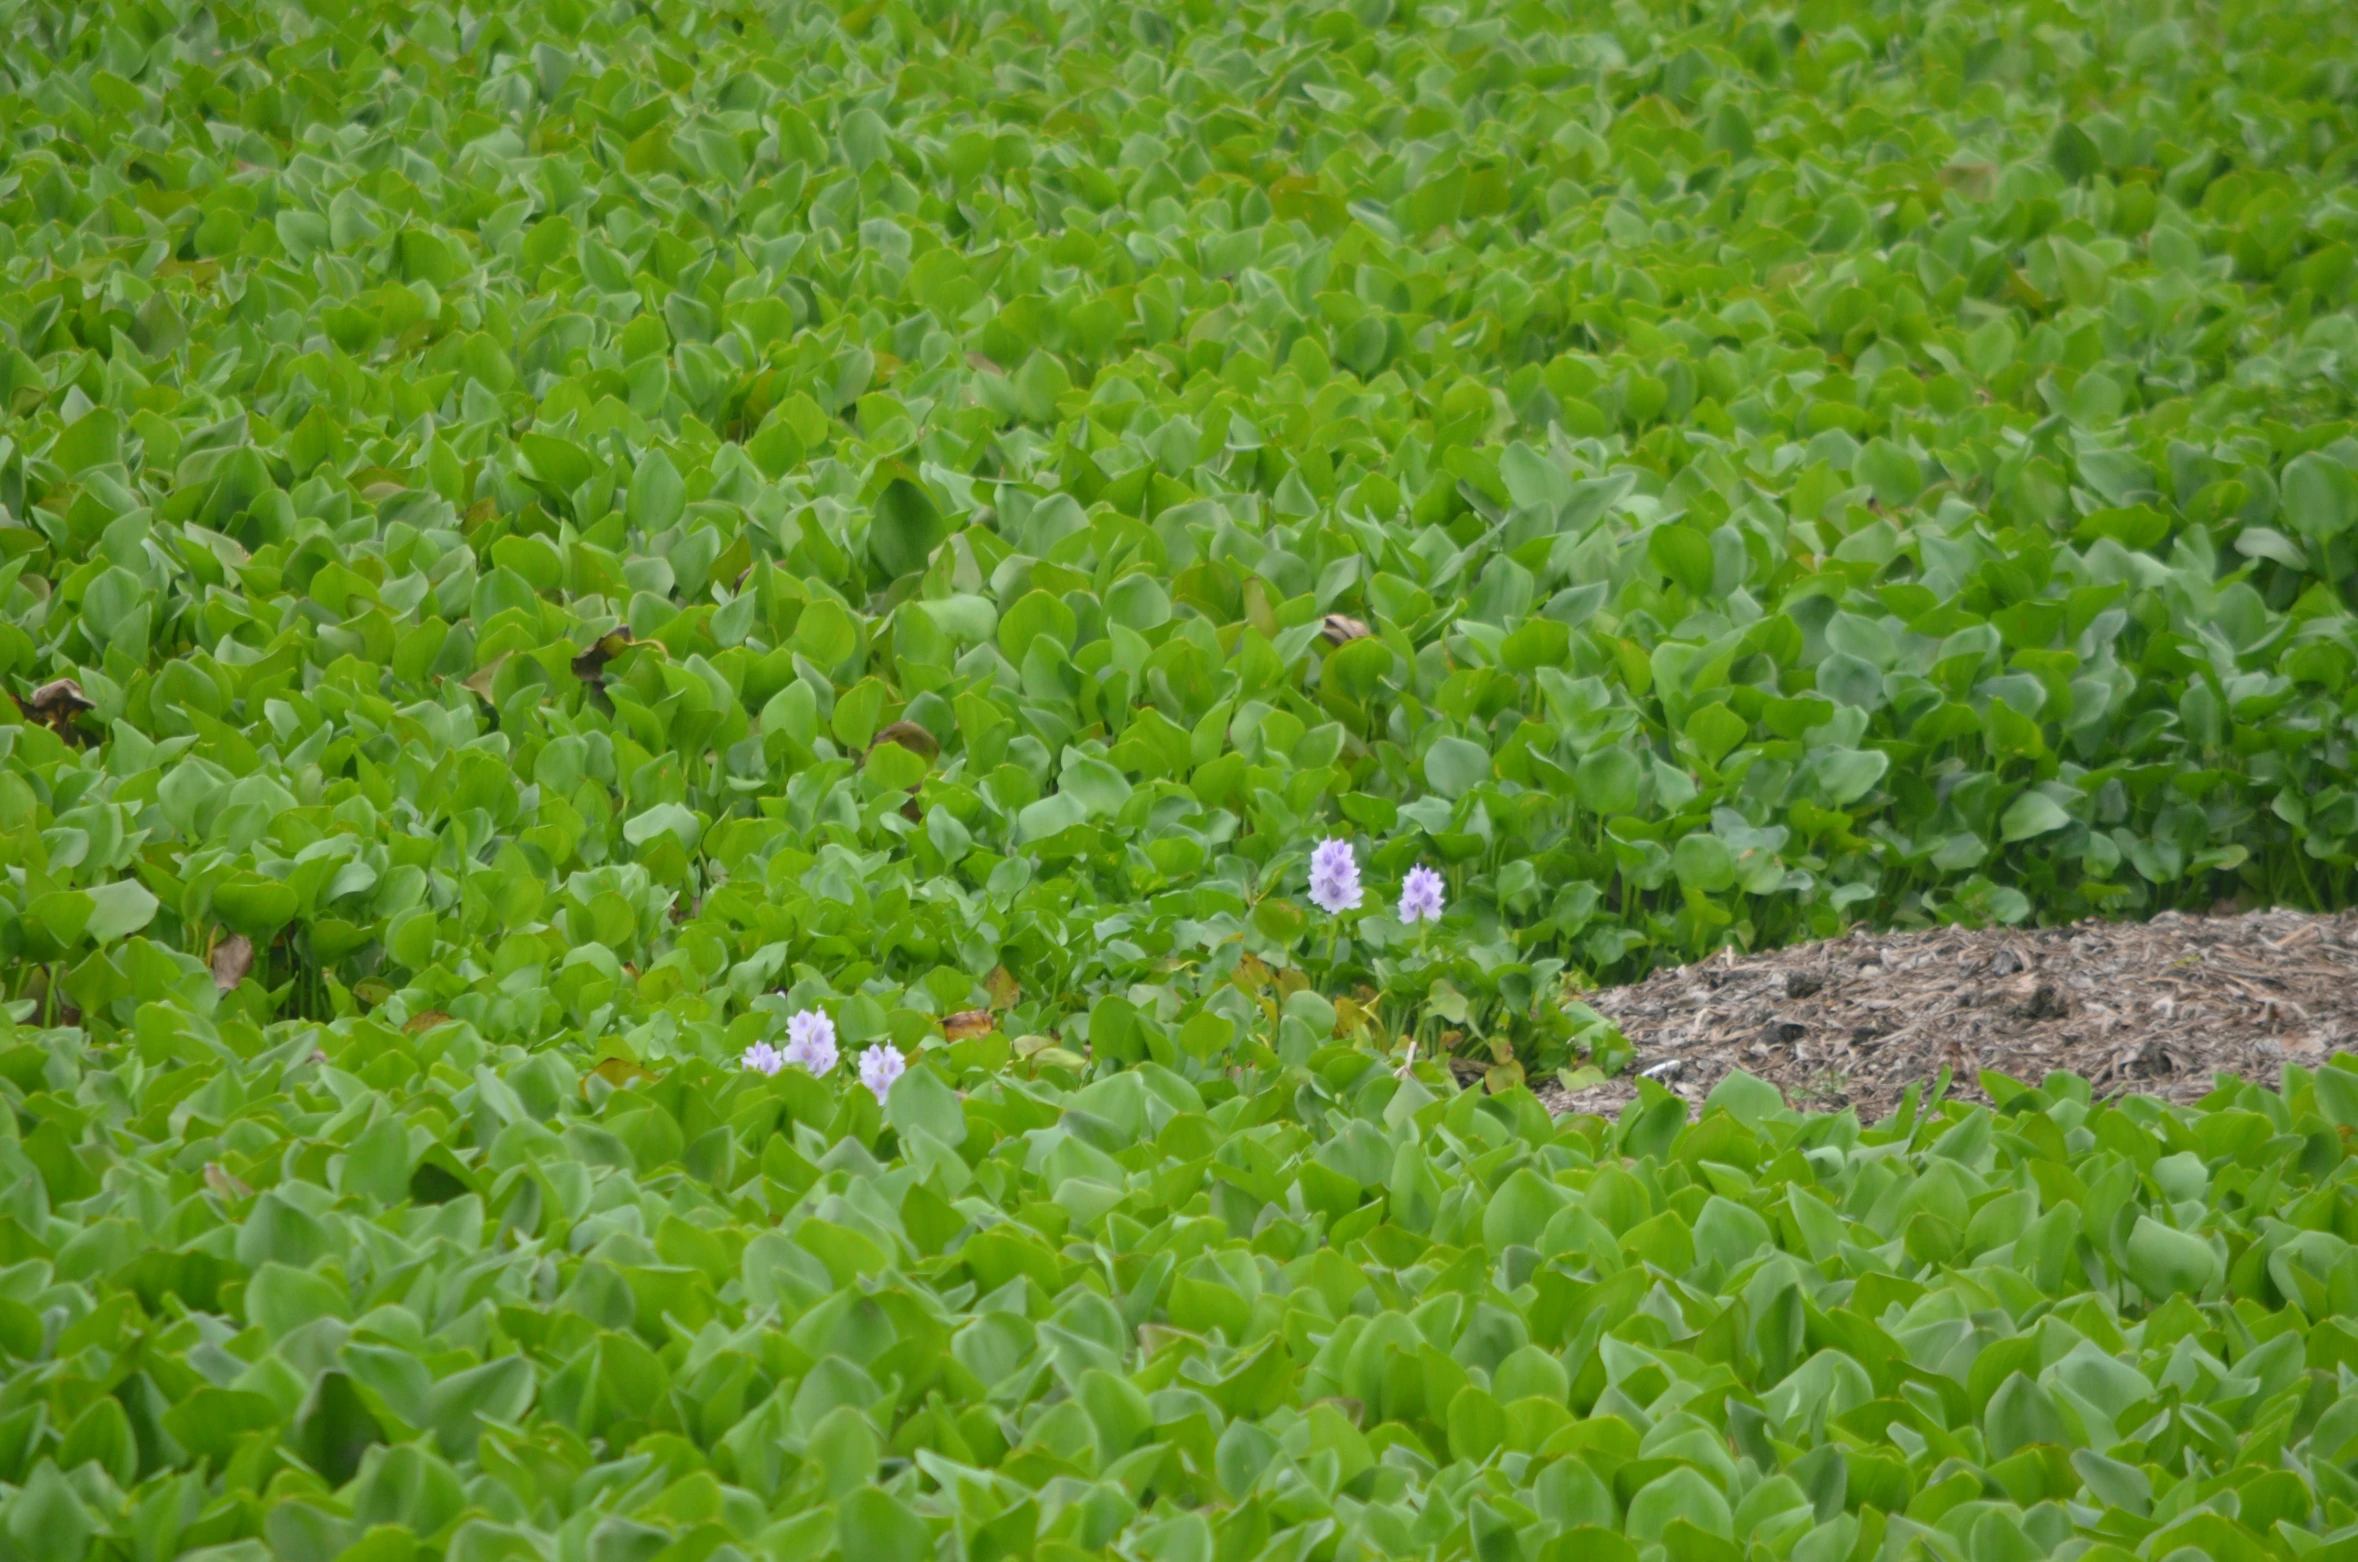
(2155, 1008)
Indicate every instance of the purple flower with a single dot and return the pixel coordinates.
(763, 1058)
(880, 1065)
(810, 1041)
(1420, 896)
(1334, 876)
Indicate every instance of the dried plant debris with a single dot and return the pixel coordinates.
(590, 665)
(233, 959)
(2159, 1008)
(55, 705)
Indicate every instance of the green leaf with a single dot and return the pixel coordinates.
(47, 1519)
(658, 495)
(1534, 481)
(1714, 730)
(665, 819)
(906, 529)
(1846, 775)
(2023, 1413)
(2167, 1263)
(865, 142)
(1455, 766)
(1606, 782)
(1745, 1097)
(1541, 642)
(2320, 496)
(1682, 1493)
(255, 906)
(334, 1428)
(920, 1102)
(874, 1526)
(1518, 1212)
(378, 1163)
(2337, 1096)
(1040, 384)
(1588, 1543)
(1703, 862)
(1098, 787)
(893, 768)
(281, 1299)
(119, 910)
(210, 1421)
(1034, 614)
(1477, 1426)
(499, 1391)
(1683, 554)
(2033, 813)
(1895, 475)
(91, 440)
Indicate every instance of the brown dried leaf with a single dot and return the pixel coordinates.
(969, 1023)
(233, 957)
(590, 665)
(55, 705)
(61, 694)
(911, 736)
(1340, 629)
(1002, 988)
(479, 681)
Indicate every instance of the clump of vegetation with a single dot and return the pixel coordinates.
(543, 546)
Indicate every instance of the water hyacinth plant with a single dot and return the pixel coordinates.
(539, 539)
(1420, 896)
(880, 1067)
(810, 1041)
(1334, 877)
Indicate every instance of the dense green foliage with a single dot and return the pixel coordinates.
(1796, 467)
(483, 1307)
(536, 541)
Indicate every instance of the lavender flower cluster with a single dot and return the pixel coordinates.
(810, 1046)
(1334, 884)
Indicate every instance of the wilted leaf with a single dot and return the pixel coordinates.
(233, 957)
(590, 664)
(56, 703)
